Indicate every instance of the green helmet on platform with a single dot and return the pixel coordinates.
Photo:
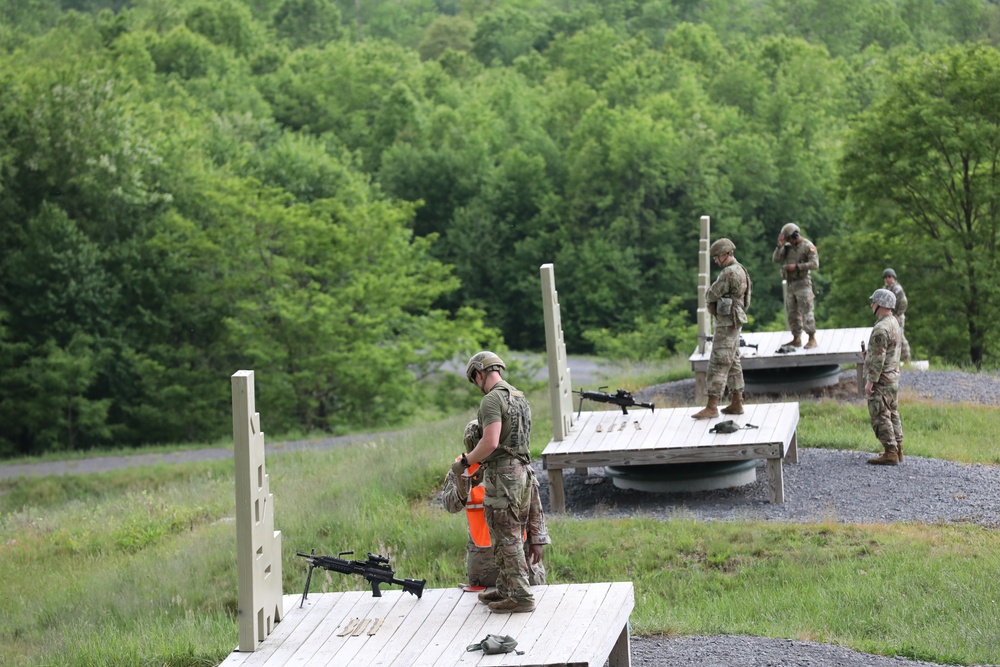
(888, 272)
(722, 247)
(484, 362)
(883, 298)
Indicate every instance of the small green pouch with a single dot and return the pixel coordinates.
(495, 644)
(728, 426)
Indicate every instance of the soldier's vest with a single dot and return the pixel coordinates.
(517, 444)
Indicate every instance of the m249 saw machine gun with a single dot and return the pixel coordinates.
(375, 570)
(622, 398)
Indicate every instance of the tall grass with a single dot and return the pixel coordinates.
(137, 567)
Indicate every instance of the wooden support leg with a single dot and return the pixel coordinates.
(621, 654)
(793, 449)
(557, 500)
(860, 372)
(775, 481)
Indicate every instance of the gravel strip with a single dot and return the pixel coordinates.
(826, 485)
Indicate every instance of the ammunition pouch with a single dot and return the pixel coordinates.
(725, 306)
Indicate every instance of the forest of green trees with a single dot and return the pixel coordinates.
(343, 195)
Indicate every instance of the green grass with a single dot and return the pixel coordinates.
(137, 567)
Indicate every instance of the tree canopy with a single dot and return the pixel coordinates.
(344, 196)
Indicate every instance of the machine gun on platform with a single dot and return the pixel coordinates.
(375, 570)
(743, 342)
(622, 398)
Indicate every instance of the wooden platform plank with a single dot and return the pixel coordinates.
(536, 639)
(421, 627)
(596, 645)
(547, 599)
(565, 641)
(834, 346)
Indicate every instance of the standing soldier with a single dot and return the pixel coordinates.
(882, 378)
(889, 276)
(505, 454)
(797, 256)
(466, 492)
(727, 300)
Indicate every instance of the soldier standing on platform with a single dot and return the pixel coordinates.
(466, 492)
(505, 454)
(727, 301)
(882, 378)
(889, 277)
(797, 256)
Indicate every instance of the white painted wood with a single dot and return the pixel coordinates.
(560, 384)
(672, 436)
(834, 346)
(572, 624)
(258, 545)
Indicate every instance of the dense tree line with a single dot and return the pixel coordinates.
(344, 195)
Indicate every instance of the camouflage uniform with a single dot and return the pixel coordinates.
(882, 370)
(900, 314)
(480, 568)
(509, 482)
(799, 298)
(724, 366)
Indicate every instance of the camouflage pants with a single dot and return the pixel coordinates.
(884, 412)
(724, 366)
(481, 568)
(508, 498)
(904, 355)
(799, 301)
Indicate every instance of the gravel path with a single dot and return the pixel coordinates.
(825, 485)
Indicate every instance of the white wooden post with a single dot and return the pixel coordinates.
(704, 282)
(258, 545)
(560, 386)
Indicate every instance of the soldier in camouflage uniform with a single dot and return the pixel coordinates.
(797, 256)
(882, 378)
(463, 492)
(889, 277)
(727, 300)
(504, 452)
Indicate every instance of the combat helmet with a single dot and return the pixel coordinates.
(722, 247)
(484, 362)
(473, 434)
(883, 298)
(790, 229)
(888, 272)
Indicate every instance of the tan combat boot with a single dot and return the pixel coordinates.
(887, 458)
(811, 343)
(794, 342)
(512, 606)
(710, 411)
(735, 406)
(490, 596)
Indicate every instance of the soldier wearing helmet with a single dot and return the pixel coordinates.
(727, 300)
(881, 370)
(504, 453)
(892, 284)
(797, 257)
(465, 492)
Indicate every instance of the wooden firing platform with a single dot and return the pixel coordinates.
(644, 437)
(833, 346)
(573, 624)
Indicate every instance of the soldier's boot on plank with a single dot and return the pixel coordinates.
(490, 596)
(811, 343)
(886, 458)
(510, 605)
(709, 411)
(796, 341)
(735, 406)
